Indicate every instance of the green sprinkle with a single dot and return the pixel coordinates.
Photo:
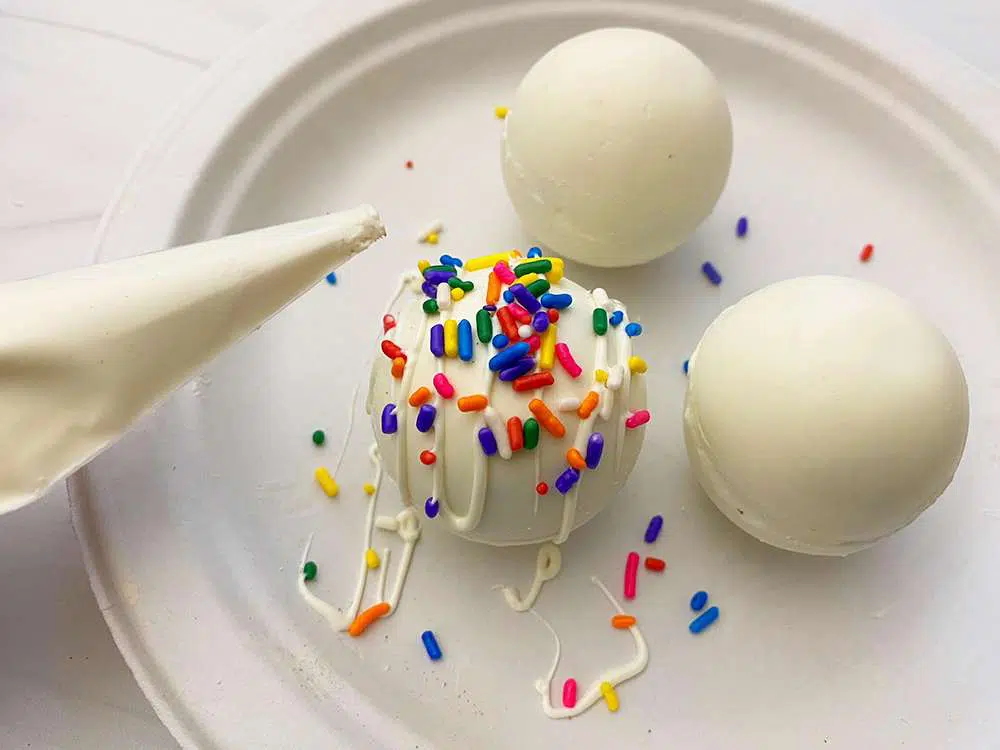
(319, 437)
(534, 266)
(531, 433)
(600, 321)
(539, 287)
(484, 326)
(309, 570)
(430, 306)
(456, 283)
(450, 269)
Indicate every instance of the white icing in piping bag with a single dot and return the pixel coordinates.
(84, 353)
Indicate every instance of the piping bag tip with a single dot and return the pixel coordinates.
(96, 348)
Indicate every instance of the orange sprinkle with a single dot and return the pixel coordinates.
(398, 365)
(493, 289)
(655, 564)
(588, 405)
(473, 403)
(546, 418)
(515, 433)
(575, 459)
(420, 396)
(866, 253)
(366, 618)
(622, 622)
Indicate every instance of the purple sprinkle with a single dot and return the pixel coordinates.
(540, 322)
(595, 449)
(389, 422)
(711, 273)
(488, 440)
(522, 367)
(431, 507)
(438, 277)
(437, 340)
(430, 289)
(510, 355)
(425, 417)
(567, 479)
(742, 225)
(490, 308)
(653, 530)
(528, 300)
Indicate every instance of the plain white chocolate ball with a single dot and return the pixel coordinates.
(616, 147)
(824, 413)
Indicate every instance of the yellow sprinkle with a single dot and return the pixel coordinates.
(601, 376)
(423, 265)
(528, 278)
(501, 112)
(558, 269)
(637, 364)
(369, 488)
(327, 482)
(457, 294)
(547, 351)
(372, 559)
(610, 696)
(451, 337)
(432, 238)
(486, 261)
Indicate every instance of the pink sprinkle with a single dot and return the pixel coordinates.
(534, 343)
(565, 357)
(631, 571)
(569, 693)
(443, 385)
(637, 419)
(503, 272)
(388, 323)
(520, 314)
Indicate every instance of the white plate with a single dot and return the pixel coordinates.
(193, 525)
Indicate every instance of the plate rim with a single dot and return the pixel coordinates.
(959, 84)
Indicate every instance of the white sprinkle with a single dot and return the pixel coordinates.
(444, 297)
(568, 404)
(601, 298)
(524, 331)
(616, 375)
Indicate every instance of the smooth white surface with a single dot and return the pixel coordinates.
(824, 413)
(83, 84)
(98, 347)
(221, 634)
(617, 146)
(494, 501)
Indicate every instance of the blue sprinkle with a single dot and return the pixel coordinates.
(633, 330)
(450, 260)
(535, 252)
(556, 301)
(465, 350)
(488, 441)
(500, 341)
(508, 296)
(566, 480)
(506, 358)
(616, 318)
(711, 273)
(699, 600)
(687, 363)
(331, 278)
(431, 507)
(703, 620)
(431, 644)
(653, 530)
(742, 226)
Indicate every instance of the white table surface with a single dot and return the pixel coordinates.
(82, 85)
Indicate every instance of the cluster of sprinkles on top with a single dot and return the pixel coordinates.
(518, 328)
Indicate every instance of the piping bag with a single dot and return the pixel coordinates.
(85, 353)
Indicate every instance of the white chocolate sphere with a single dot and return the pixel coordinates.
(616, 147)
(492, 499)
(824, 413)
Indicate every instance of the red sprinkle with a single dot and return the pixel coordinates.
(631, 571)
(388, 323)
(390, 349)
(866, 253)
(541, 488)
(409, 164)
(427, 458)
(507, 324)
(553, 316)
(534, 381)
(655, 564)
(515, 433)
